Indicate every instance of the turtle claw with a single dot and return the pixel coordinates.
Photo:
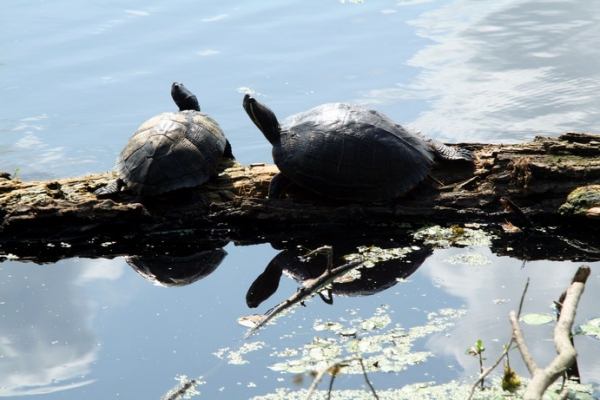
(110, 189)
(450, 153)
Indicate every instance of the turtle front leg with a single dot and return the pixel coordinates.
(110, 189)
(450, 153)
(279, 184)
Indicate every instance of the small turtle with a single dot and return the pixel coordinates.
(170, 151)
(347, 152)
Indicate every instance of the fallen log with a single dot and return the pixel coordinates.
(525, 184)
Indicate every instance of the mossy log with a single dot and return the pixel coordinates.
(525, 184)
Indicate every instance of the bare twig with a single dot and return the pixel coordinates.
(544, 377)
(330, 386)
(523, 297)
(509, 205)
(333, 366)
(362, 365)
(563, 395)
(572, 373)
(520, 340)
(322, 372)
(506, 348)
(517, 334)
(185, 387)
(309, 288)
(315, 382)
(327, 250)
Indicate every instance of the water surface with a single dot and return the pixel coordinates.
(78, 78)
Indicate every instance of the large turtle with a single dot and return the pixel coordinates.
(172, 150)
(347, 152)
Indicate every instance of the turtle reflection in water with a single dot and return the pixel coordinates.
(383, 275)
(347, 152)
(174, 270)
(170, 151)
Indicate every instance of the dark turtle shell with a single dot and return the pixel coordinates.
(347, 152)
(351, 152)
(170, 151)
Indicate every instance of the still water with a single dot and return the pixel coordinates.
(78, 78)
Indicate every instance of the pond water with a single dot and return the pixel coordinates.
(80, 77)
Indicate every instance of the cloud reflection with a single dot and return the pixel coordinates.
(215, 18)
(505, 69)
(31, 155)
(46, 340)
(138, 13)
(490, 292)
(413, 2)
(208, 52)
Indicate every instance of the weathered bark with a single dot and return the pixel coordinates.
(532, 179)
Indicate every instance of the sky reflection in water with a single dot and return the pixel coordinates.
(80, 78)
(98, 323)
(505, 71)
(458, 70)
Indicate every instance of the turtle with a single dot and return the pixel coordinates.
(171, 151)
(347, 152)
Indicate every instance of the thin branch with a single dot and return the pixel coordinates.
(543, 378)
(523, 298)
(517, 334)
(330, 386)
(186, 387)
(315, 382)
(488, 370)
(309, 289)
(362, 365)
(572, 372)
(563, 395)
(519, 338)
(322, 372)
(504, 353)
(328, 368)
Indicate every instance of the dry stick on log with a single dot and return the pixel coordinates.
(308, 289)
(509, 205)
(506, 348)
(542, 378)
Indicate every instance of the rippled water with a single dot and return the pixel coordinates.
(78, 78)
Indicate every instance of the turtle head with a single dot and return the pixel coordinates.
(263, 118)
(184, 99)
